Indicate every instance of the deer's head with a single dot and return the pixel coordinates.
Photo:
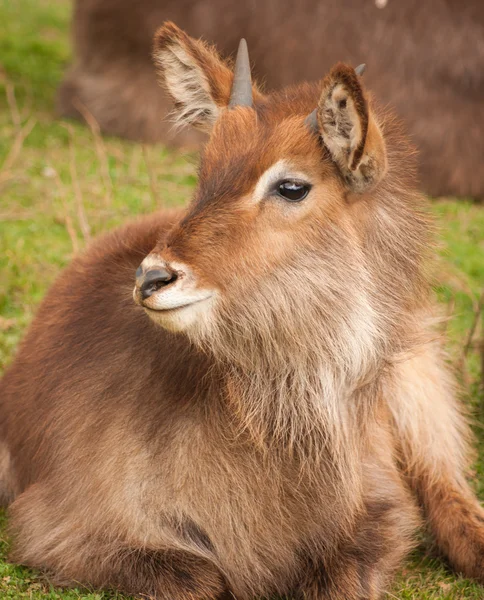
(273, 250)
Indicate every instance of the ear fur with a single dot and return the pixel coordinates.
(349, 130)
(196, 78)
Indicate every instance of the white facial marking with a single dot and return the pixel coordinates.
(179, 304)
(279, 171)
(180, 319)
(152, 261)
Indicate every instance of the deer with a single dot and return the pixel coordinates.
(247, 397)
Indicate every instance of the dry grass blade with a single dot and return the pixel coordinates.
(81, 212)
(482, 363)
(477, 315)
(482, 359)
(152, 177)
(480, 349)
(100, 148)
(477, 312)
(6, 324)
(13, 106)
(20, 137)
(449, 314)
(22, 215)
(133, 167)
(67, 219)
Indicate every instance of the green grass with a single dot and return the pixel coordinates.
(39, 204)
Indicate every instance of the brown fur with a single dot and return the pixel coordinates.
(282, 440)
(424, 58)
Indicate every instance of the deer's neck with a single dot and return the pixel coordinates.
(306, 414)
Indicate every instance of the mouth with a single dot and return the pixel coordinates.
(173, 309)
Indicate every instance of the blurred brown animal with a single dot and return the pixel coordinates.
(426, 59)
(271, 413)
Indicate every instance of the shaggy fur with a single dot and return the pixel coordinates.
(288, 440)
(424, 58)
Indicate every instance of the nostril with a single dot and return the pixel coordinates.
(156, 279)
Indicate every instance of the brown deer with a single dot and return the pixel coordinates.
(272, 412)
(427, 62)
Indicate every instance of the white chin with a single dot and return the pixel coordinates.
(191, 317)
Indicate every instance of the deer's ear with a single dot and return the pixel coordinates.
(349, 130)
(197, 79)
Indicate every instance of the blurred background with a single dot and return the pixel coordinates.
(85, 144)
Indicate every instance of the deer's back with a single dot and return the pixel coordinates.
(90, 357)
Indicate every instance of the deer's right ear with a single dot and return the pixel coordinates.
(197, 79)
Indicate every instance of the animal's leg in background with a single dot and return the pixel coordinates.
(433, 435)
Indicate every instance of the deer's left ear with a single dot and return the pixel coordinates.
(349, 130)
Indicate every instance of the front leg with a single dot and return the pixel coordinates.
(433, 437)
(60, 543)
(164, 575)
(362, 566)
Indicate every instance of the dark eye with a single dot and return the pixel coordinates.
(293, 191)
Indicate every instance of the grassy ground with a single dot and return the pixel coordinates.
(60, 185)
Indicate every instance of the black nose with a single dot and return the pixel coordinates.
(156, 279)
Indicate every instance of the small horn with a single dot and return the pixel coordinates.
(311, 121)
(241, 94)
(360, 69)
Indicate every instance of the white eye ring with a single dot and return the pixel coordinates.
(281, 172)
